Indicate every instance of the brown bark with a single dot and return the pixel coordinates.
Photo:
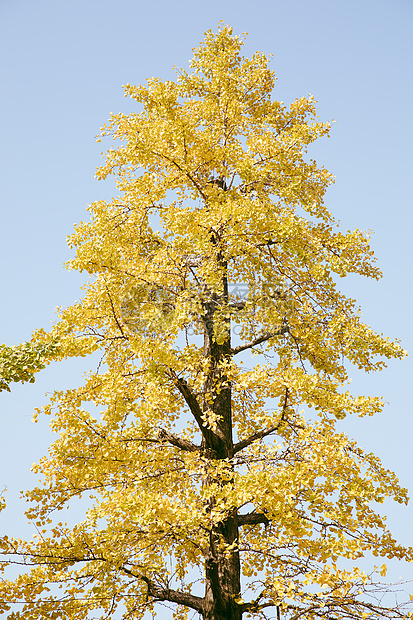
(173, 596)
(222, 569)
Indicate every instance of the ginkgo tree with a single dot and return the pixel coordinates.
(205, 443)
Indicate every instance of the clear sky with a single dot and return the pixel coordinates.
(62, 67)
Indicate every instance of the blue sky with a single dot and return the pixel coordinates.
(63, 65)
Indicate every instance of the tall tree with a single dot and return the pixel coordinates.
(219, 487)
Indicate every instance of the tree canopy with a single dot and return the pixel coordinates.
(205, 445)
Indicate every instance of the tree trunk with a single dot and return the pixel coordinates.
(222, 569)
(222, 574)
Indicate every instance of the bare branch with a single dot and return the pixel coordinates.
(264, 338)
(179, 442)
(191, 401)
(249, 440)
(174, 596)
(253, 518)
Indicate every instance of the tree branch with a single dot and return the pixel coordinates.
(253, 518)
(237, 305)
(174, 596)
(114, 312)
(274, 427)
(243, 347)
(192, 403)
(192, 179)
(249, 440)
(179, 442)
